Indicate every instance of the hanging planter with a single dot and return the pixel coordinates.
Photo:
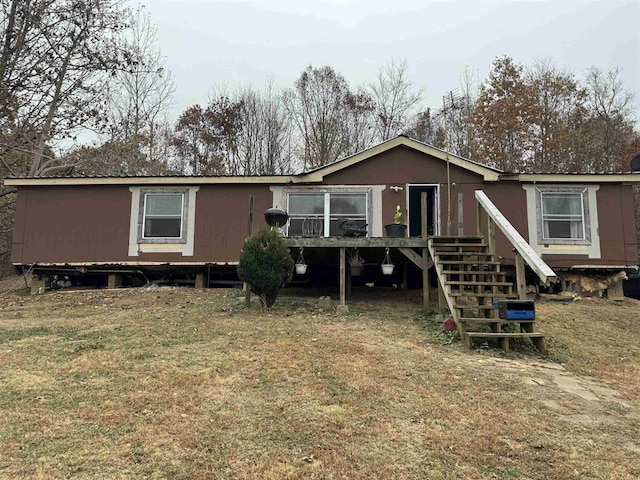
(386, 266)
(301, 267)
(356, 263)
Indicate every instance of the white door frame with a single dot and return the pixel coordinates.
(436, 206)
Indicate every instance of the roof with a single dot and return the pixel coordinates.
(573, 177)
(489, 174)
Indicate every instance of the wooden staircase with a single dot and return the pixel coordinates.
(472, 282)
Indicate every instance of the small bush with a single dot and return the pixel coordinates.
(266, 265)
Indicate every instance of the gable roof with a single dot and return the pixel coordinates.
(489, 174)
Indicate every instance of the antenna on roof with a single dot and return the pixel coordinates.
(635, 164)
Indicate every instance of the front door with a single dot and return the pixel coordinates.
(415, 209)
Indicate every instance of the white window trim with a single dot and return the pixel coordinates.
(590, 247)
(327, 192)
(143, 211)
(374, 201)
(139, 244)
(585, 238)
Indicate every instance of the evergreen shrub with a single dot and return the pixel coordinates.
(266, 265)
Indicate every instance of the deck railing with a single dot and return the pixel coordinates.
(488, 216)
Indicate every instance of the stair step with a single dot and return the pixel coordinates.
(474, 272)
(480, 320)
(475, 307)
(469, 262)
(504, 335)
(488, 284)
(483, 294)
(456, 238)
(464, 254)
(457, 245)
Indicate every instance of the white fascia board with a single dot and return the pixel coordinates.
(577, 178)
(143, 181)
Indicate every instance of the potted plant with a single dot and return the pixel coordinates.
(396, 229)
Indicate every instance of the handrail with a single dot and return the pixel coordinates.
(532, 259)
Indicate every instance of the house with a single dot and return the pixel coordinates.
(191, 229)
(576, 222)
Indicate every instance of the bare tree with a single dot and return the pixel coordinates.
(359, 122)
(396, 99)
(558, 106)
(141, 93)
(265, 138)
(54, 59)
(317, 108)
(610, 125)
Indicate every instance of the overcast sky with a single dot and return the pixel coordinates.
(244, 42)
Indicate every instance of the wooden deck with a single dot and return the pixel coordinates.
(356, 242)
(404, 244)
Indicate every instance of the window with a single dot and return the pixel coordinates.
(308, 212)
(163, 215)
(563, 215)
(346, 206)
(162, 220)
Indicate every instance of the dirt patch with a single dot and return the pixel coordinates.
(574, 398)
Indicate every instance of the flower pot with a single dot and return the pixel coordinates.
(356, 270)
(396, 230)
(387, 268)
(301, 268)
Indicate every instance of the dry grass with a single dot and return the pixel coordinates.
(180, 383)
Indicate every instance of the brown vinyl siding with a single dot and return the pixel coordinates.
(72, 224)
(91, 224)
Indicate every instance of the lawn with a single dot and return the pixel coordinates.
(188, 384)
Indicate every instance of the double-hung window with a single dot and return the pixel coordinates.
(563, 215)
(163, 215)
(322, 213)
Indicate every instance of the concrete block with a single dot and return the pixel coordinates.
(115, 281)
(39, 284)
(325, 303)
(342, 309)
(200, 280)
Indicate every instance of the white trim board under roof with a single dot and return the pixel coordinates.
(164, 180)
(573, 177)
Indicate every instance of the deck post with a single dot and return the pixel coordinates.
(491, 235)
(423, 208)
(425, 279)
(521, 281)
(482, 222)
(342, 307)
(425, 253)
